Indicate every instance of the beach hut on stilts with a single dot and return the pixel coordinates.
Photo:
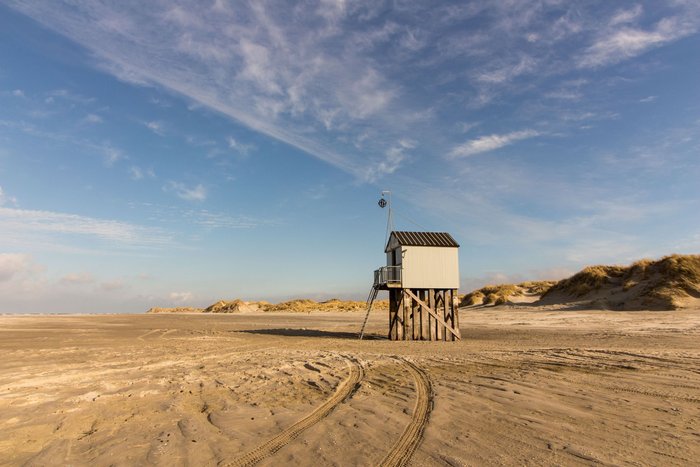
(422, 278)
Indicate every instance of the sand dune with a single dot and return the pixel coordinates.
(671, 283)
(523, 387)
(525, 292)
(294, 306)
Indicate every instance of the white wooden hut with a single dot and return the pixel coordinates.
(422, 277)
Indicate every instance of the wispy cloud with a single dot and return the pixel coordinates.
(111, 154)
(345, 76)
(620, 43)
(69, 96)
(112, 285)
(137, 173)
(13, 264)
(626, 16)
(207, 219)
(181, 297)
(280, 76)
(243, 149)
(156, 127)
(6, 199)
(19, 223)
(18, 93)
(393, 159)
(188, 193)
(93, 118)
(77, 278)
(507, 72)
(490, 143)
(219, 220)
(466, 127)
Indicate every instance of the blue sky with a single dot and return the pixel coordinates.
(178, 152)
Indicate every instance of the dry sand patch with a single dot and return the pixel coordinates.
(524, 386)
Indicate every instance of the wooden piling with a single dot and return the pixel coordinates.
(423, 314)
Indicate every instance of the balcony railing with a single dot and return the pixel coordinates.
(387, 275)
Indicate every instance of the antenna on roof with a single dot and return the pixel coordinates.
(384, 202)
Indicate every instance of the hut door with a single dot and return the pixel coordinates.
(396, 257)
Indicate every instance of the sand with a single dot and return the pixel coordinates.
(525, 386)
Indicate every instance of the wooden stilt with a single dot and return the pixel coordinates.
(449, 315)
(406, 311)
(436, 306)
(425, 325)
(394, 303)
(440, 310)
(423, 314)
(432, 312)
(455, 315)
(414, 311)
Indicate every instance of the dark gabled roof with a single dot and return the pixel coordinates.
(424, 239)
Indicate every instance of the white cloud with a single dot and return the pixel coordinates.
(243, 149)
(626, 16)
(393, 159)
(181, 297)
(490, 143)
(648, 99)
(5, 199)
(366, 96)
(13, 264)
(110, 154)
(69, 96)
(203, 217)
(93, 118)
(23, 223)
(465, 127)
(156, 127)
(258, 68)
(250, 63)
(564, 94)
(617, 44)
(137, 173)
(344, 75)
(195, 193)
(77, 278)
(160, 102)
(218, 220)
(505, 73)
(113, 285)
(18, 93)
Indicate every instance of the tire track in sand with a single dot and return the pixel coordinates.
(412, 436)
(345, 389)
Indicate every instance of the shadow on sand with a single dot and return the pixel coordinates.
(314, 333)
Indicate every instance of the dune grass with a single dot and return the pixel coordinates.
(647, 283)
(502, 293)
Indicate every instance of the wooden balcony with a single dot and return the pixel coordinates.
(387, 277)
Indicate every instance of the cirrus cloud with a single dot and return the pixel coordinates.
(490, 143)
(188, 193)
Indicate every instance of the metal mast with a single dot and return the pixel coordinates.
(385, 201)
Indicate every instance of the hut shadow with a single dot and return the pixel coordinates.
(313, 333)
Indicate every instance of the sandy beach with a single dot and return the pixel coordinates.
(524, 387)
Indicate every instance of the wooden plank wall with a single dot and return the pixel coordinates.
(409, 320)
